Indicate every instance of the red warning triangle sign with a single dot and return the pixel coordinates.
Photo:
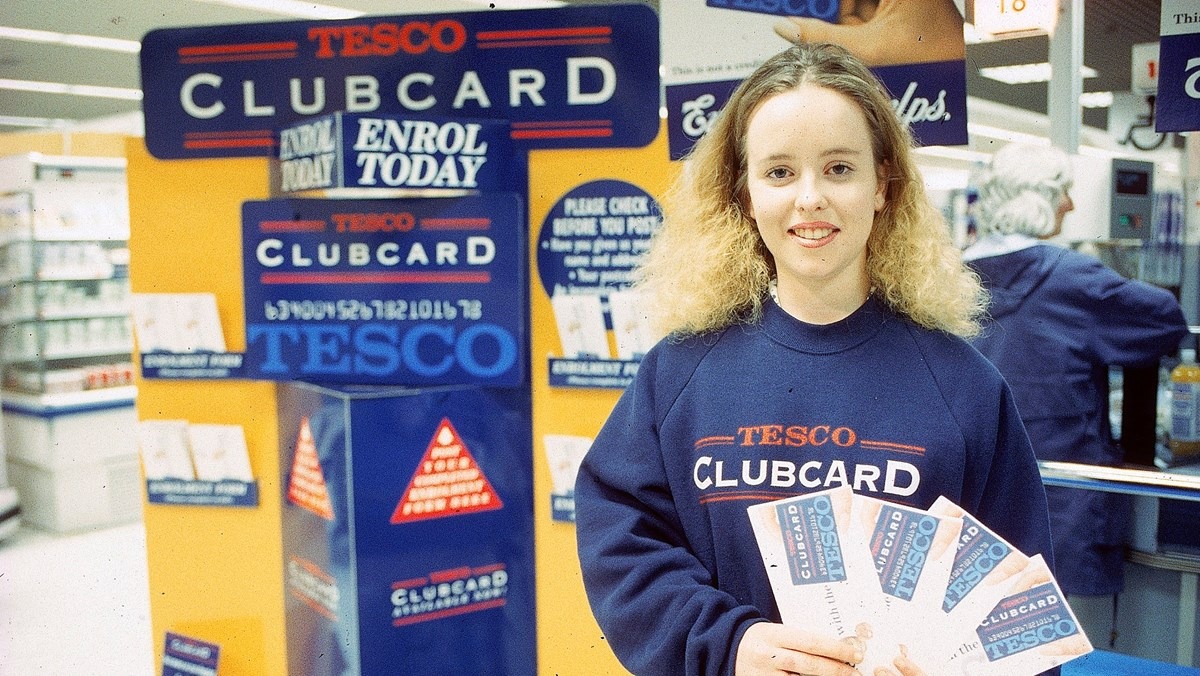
(447, 482)
(306, 485)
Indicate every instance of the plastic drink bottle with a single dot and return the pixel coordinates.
(1185, 406)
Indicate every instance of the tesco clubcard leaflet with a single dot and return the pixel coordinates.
(935, 585)
(991, 584)
(1030, 630)
(983, 563)
(822, 581)
(912, 551)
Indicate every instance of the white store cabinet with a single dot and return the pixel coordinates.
(66, 341)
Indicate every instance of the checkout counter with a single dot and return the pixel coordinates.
(1162, 572)
(1115, 664)
(1154, 622)
(1160, 575)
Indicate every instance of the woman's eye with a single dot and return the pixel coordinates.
(841, 169)
(778, 173)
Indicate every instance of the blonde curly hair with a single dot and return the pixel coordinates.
(707, 267)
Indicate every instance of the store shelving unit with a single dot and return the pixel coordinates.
(66, 339)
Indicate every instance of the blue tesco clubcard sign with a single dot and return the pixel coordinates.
(564, 77)
(386, 292)
(187, 656)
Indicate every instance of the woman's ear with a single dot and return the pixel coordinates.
(881, 173)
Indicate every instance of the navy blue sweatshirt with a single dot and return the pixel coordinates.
(759, 412)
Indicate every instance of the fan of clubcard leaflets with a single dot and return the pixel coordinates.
(936, 585)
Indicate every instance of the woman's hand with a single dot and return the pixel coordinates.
(904, 666)
(888, 32)
(769, 648)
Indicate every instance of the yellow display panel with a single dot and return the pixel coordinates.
(215, 572)
(569, 640)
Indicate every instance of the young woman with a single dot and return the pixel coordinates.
(812, 298)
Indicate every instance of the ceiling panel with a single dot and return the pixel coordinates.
(72, 65)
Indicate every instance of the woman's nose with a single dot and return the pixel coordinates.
(808, 195)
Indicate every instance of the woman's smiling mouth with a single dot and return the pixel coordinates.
(813, 235)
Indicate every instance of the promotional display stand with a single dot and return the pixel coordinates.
(406, 526)
(389, 332)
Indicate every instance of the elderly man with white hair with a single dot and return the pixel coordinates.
(1057, 320)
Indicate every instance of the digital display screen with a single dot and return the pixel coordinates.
(1132, 182)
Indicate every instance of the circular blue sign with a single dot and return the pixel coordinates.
(594, 237)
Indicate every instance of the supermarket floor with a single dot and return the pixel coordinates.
(75, 604)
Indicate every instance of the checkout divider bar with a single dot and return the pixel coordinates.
(1181, 484)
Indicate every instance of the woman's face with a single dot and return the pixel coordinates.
(814, 189)
(1065, 206)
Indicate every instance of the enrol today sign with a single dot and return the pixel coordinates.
(563, 77)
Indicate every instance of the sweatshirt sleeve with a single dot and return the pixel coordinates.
(1136, 323)
(1012, 498)
(652, 595)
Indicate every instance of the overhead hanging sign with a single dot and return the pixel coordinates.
(1015, 18)
(1143, 68)
(708, 48)
(410, 292)
(564, 77)
(1178, 103)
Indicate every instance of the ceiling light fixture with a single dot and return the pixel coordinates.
(1096, 100)
(295, 8)
(40, 122)
(1026, 73)
(72, 89)
(988, 131)
(70, 40)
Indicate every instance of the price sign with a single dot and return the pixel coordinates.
(1144, 67)
(1015, 18)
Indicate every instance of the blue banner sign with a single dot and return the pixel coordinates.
(387, 152)
(386, 292)
(691, 108)
(187, 656)
(827, 10)
(564, 77)
(1178, 103)
(930, 97)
